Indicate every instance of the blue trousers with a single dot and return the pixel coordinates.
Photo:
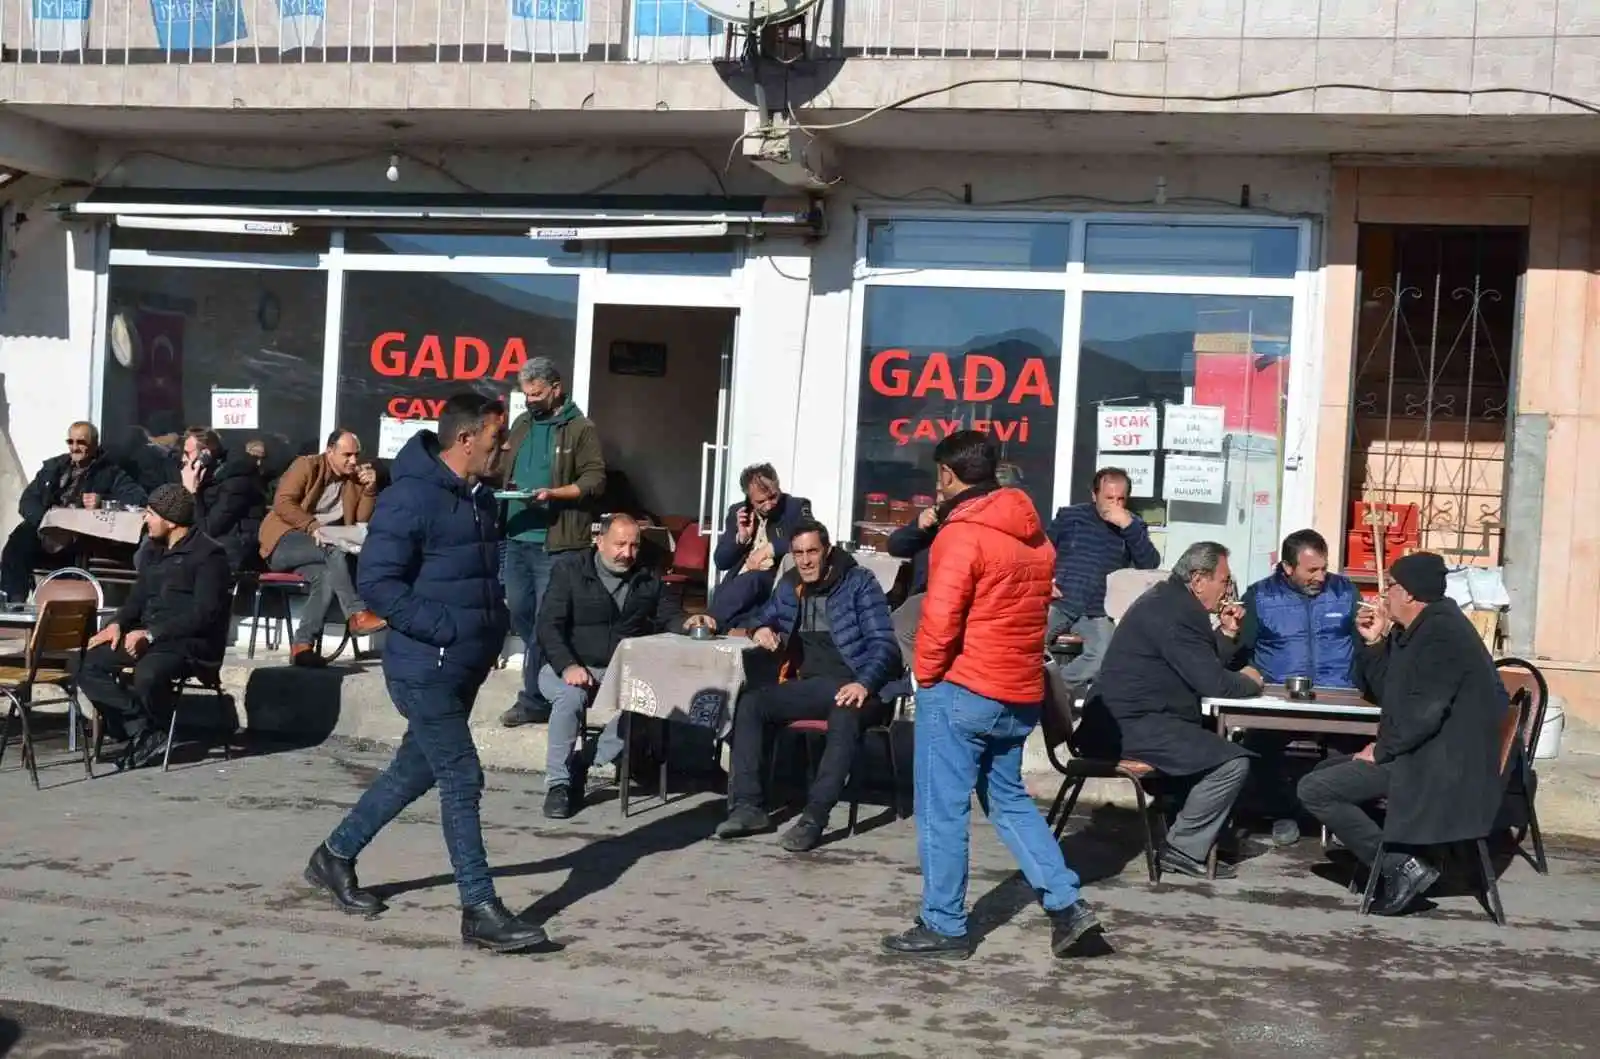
(966, 743)
(527, 576)
(437, 749)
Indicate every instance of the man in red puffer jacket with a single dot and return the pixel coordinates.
(981, 683)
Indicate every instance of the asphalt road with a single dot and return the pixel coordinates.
(164, 916)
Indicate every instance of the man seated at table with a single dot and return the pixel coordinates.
(1093, 540)
(1300, 620)
(597, 598)
(317, 492)
(175, 619)
(1437, 755)
(754, 540)
(1163, 659)
(82, 477)
(831, 620)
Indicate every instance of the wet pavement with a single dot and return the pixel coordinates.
(164, 915)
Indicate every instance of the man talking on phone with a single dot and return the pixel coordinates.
(1094, 540)
(333, 488)
(755, 539)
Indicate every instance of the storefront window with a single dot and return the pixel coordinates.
(458, 244)
(1192, 250)
(1023, 246)
(937, 360)
(187, 343)
(1187, 393)
(411, 340)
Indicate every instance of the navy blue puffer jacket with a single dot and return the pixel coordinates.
(430, 568)
(858, 615)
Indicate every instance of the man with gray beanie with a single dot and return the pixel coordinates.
(1437, 756)
(175, 620)
(553, 456)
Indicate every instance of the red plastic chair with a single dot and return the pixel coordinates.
(691, 556)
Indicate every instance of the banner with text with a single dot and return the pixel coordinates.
(197, 25)
(60, 25)
(547, 27)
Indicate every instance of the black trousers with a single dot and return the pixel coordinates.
(1337, 791)
(129, 711)
(806, 699)
(23, 554)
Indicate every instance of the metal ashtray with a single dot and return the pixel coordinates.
(701, 632)
(1299, 689)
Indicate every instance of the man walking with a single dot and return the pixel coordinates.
(429, 567)
(556, 459)
(981, 685)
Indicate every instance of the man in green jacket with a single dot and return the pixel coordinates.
(553, 455)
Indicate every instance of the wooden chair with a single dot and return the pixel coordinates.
(1519, 675)
(1059, 720)
(63, 630)
(1512, 728)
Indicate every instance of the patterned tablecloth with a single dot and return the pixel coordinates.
(124, 527)
(673, 677)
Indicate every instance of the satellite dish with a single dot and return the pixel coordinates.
(750, 13)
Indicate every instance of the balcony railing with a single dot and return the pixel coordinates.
(125, 32)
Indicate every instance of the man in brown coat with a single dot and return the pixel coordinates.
(317, 492)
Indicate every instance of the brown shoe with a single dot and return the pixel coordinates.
(306, 657)
(365, 623)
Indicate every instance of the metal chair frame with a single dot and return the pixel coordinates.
(806, 730)
(63, 629)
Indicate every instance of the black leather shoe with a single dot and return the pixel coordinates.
(520, 714)
(492, 926)
(1403, 884)
(921, 941)
(743, 820)
(558, 802)
(336, 877)
(804, 836)
(147, 749)
(1176, 861)
(1076, 931)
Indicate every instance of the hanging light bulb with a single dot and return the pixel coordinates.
(392, 174)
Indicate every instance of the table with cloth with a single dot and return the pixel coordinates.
(671, 678)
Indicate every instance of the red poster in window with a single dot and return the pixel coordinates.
(1248, 386)
(158, 373)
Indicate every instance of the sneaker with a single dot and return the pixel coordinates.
(558, 802)
(920, 940)
(1076, 931)
(743, 820)
(804, 836)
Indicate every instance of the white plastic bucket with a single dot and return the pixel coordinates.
(1555, 720)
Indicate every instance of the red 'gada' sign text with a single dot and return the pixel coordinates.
(983, 378)
(470, 358)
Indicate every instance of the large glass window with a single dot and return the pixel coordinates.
(178, 336)
(1187, 393)
(936, 360)
(411, 340)
(1022, 246)
(1192, 250)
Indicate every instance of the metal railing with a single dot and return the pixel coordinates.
(128, 32)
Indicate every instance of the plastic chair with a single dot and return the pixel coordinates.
(691, 556)
(1513, 726)
(63, 629)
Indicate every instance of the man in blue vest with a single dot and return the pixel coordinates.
(1298, 622)
(1301, 620)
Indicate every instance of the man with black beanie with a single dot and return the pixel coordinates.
(1437, 756)
(175, 619)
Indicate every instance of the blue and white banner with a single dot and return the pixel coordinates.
(547, 27)
(197, 25)
(673, 31)
(300, 23)
(60, 25)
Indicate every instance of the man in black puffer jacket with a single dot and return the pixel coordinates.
(230, 496)
(431, 568)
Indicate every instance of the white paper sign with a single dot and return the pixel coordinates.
(1141, 471)
(235, 409)
(394, 433)
(1192, 428)
(1197, 479)
(1127, 429)
(515, 406)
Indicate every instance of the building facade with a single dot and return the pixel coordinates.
(1289, 264)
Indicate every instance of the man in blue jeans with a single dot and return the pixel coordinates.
(429, 567)
(555, 459)
(980, 675)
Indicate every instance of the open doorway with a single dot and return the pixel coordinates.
(658, 393)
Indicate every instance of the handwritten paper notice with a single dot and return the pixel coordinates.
(1141, 470)
(394, 433)
(1127, 429)
(1197, 479)
(1193, 428)
(235, 409)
